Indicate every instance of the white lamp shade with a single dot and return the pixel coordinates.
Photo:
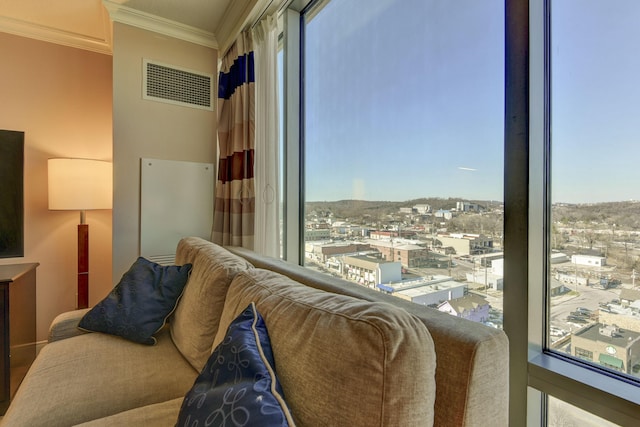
(80, 184)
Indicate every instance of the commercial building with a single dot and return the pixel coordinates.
(370, 271)
(589, 260)
(610, 346)
(425, 290)
(466, 244)
(408, 255)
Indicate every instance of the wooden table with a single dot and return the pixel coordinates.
(17, 327)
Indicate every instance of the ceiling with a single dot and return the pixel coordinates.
(86, 24)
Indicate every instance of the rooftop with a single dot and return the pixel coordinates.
(620, 337)
(468, 302)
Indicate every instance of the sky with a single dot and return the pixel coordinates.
(405, 99)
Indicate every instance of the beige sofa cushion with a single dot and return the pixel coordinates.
(96, 375)
(195, 321)
(341, 361)
(162, 414)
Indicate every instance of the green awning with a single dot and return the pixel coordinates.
(608, 360)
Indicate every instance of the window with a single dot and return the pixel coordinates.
(390, 173)
(395, 136)
(583, 354)
(595, 212)
(573, 101)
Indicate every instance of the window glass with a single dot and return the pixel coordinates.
(403, 149)
(562, 414)
(594, 240)
(281, 119)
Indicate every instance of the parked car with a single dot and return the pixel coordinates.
(577, 319)
(579, 314)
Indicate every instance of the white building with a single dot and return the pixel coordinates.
(468, 207)
(559, 257)
(422, 209)
(466, 244)
(370, 271)
(483, 276)
(444, 214)
(471, 307)
(589, 260)
(426, 290)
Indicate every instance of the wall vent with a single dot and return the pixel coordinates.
(175, 85)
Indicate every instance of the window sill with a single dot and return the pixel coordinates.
(607, 397)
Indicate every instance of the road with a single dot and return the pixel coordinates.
(585, 296)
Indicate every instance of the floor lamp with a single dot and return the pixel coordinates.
(80, 185)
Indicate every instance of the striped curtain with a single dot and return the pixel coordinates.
(233, 218)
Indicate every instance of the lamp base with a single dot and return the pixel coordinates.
(83, 266)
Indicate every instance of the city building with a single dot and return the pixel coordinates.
(589, 260)
(370, 271)
(493, 260)
(422, 209)
(484, 276)
(322, 252)
(624, 317)
(472, 307)
(629, 297)
(559, 257)
(429, 291)
(466, 244)
(444, 214)
(392, 234)
(408, 255)
(468, 207)
(608, 345)
(317, 234)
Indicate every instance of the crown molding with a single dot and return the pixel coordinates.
(55, 35)
(146, 21)
(234, 20)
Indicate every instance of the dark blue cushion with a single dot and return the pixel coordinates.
(238, 385)
(140, 303)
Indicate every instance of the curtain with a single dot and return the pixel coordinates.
(267, 162)
(233, 218)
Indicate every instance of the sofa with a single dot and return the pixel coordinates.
(342, 354)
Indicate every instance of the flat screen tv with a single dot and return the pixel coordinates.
(11, 194)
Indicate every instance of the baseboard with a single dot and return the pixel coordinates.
(39, 346)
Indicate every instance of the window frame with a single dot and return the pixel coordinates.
(534, 372)
(589, 388)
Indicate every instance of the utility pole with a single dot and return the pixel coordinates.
(486, 287)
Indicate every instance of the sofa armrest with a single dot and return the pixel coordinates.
(65, 325)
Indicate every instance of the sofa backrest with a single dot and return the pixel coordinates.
(195, 321)
(472, 373)
(341, 361)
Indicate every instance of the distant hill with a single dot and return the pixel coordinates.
(359, 208)
(625, 215)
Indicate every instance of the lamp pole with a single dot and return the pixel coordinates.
(83, 262)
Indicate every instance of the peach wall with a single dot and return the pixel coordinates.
(61, 98)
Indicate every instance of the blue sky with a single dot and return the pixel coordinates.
(596, 100)
(404, 99)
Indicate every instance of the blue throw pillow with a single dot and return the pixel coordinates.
(141, 302)
(238, 385)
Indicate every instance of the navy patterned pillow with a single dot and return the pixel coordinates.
(141, 302)
(238, 385)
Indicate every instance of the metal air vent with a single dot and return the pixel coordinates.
(174, 85)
